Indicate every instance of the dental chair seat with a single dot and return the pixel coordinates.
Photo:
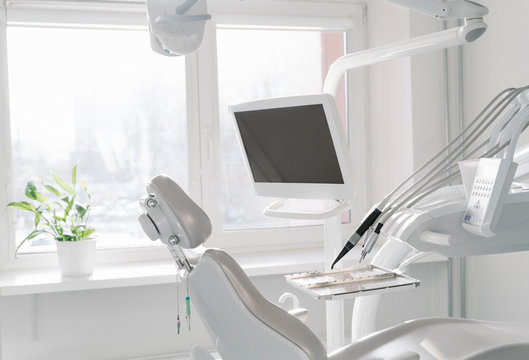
(246, 326)
(242, 323)
(443, 338)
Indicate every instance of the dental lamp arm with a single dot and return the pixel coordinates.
(182, 9)
(474, 27)
(460, 9)
(471, 31)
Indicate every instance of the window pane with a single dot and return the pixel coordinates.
(256, 64)
(104, 100)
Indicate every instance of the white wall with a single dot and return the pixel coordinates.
(390, 154)
(497, 287)
(406, 99)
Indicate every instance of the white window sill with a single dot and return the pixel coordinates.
(49, 280)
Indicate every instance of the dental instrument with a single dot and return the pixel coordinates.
(488, 182)
(439, 165)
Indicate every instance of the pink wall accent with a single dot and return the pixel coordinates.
(333, 47)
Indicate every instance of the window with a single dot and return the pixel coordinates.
(104, 100)
(256, 64)
(85, 87)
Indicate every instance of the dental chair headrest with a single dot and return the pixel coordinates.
(170, 212)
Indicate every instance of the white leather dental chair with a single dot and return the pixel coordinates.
(246, 326)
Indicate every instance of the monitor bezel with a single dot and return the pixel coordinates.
(343, 191)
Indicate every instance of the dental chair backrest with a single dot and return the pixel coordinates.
(243, 324)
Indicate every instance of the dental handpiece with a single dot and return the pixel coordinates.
(355, 238)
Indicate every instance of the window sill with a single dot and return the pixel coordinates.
(49, 280)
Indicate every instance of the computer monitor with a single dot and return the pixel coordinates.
(295, 147)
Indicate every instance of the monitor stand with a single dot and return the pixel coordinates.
(306, 209)
(331, 212)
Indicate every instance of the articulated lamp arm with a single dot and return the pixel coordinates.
(467, 33)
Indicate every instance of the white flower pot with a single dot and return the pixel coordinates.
(76, 258)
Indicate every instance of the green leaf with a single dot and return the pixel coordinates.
(63, 184)
(68, 208)
(58, 218)
(87, 233)
(37, 219)
(66, 199)
(81, 210)
(32, 235)
(53, 190)
(74, 174)
(22, 205)
(41, 198)
(31, 190)
(67, 237)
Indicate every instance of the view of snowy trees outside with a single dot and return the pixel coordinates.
(105, 100)
(102, 99)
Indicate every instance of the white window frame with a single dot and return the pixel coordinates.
(202, 108)
(297, 15)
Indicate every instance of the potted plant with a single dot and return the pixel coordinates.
(62, 214)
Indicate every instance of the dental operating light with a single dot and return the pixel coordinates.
(176, 27)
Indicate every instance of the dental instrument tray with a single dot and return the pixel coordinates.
(350, 282)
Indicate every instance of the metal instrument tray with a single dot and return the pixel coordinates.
(351, 282)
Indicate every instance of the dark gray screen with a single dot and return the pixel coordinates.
(289, 145)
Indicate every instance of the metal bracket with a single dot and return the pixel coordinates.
(178, 254)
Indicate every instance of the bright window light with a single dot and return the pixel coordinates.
(102, 99)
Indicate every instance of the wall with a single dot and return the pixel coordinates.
(407, 114)
(497, 287)
(132, 323)
(390, 155)
(140, 322)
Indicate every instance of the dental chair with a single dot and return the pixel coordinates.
(246, 326)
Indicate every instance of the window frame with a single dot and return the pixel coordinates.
(289, 238)
(202, 109)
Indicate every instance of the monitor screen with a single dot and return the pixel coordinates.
(289, 145)
(295, 147)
